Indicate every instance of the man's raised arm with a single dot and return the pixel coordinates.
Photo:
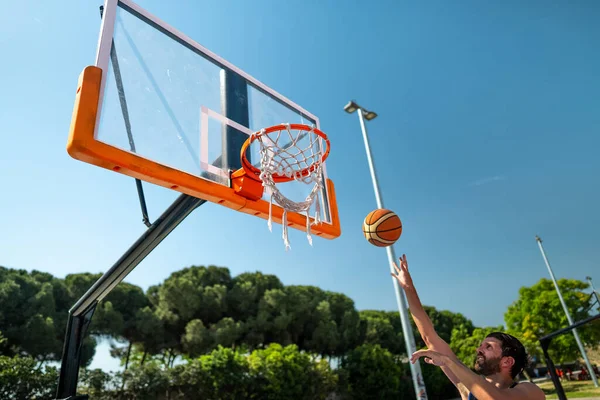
(432, 340)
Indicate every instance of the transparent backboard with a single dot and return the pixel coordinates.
(165, 98)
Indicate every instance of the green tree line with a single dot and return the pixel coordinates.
(202, 321)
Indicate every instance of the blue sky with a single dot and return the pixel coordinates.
(487, 132)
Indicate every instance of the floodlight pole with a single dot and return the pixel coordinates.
(409, 340)
(564, 305)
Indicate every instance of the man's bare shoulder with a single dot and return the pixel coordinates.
(530, 389)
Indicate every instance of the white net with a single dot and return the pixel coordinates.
(287, 153)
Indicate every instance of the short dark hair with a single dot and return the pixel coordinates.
(512, 347)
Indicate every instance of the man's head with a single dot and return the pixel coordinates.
(500, 352)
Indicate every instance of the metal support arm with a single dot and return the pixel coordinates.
(545, 344)
(81, 313)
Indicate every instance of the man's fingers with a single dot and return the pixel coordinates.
(403, 267)
(429, 356)
(401, 263)
(415, 356)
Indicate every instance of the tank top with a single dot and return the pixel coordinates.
(471, 397)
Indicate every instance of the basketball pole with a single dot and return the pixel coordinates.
(594, 291)
(564, 305)
(409, 339)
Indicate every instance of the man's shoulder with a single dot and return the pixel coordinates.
(527, 385)
(530, 388)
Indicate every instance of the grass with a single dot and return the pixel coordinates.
(573, 389)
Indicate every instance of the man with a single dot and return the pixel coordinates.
(500, 357)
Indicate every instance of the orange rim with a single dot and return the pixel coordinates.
(279, 178)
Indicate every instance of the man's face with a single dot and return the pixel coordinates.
(489, 355)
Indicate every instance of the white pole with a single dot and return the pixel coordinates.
(564, 305)
(409, 339)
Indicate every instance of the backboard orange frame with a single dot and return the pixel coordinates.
(82, 145)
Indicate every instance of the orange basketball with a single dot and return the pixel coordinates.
(382, 227)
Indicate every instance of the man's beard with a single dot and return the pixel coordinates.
(487, 367)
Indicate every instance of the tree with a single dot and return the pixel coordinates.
(446, 321)
(273, 318)
(538, 312)
(120, 316)
(347, 323)
(325, 337)
(28, 314)
(194, 293)
(151, 331)
(196, 340)
(379, 329)
(464, 343)
(226, 332)
(246, 292)
(297, 310)
(326, 323)
(385, 327)
(243, 305)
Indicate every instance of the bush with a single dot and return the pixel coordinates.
(25, 378)
(438, 386)
(372, 372)
(280, 373)
(149, 382)
(274, 373)
(223, 374)
(96, 383)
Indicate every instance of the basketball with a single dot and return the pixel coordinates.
(382, 227)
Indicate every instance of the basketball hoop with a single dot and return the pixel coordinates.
(283, 159)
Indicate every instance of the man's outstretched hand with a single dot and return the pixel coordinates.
(402, 275)
(430, 357)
